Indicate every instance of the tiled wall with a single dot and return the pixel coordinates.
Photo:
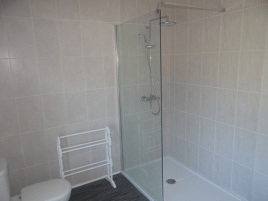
(57, 77)
(218, 94)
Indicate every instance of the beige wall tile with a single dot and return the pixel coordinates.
(111, 102)
(11, 149)
(263, 115)
(6, 84)
(208, 98)
(20, 37)
(96, 109)
(73, 73)
(194, 65)
(181, 39)
(193, 99)
(254, 28)
(51, 136)
(110, 10)
(247, 112)
(51, 76)
(180, 69)
(44, 9)
(226, 104)
(54, 110)
(9, 124)
(94, 72)
(91, 39)
(18, 180)
(108, 39)
(76, 107)
(250, 71)
(110, 71)
(211, 36)
(34, 148)
(3, 40)
(90, 10)
(70, 38)
(207, 134)
(68, 9)
(25, 77)
(17, 8)
(38, 173)
(228, 70)
(196, 14)
(231, 31)
(195, 31)
(46, 38)
(128, 10)
(30, 114)
(210, 63)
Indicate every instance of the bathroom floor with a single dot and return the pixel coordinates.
(103, 191)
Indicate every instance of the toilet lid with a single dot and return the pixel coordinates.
(51, 190)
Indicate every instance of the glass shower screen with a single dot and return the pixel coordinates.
(139, 74)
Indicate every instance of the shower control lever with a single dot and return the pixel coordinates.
(151, 98)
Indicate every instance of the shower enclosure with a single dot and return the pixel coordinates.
(139, 73)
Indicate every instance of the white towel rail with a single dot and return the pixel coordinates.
(108, 162)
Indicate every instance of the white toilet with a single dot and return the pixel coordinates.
(51, 190)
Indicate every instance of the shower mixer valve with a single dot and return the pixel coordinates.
(151, 98)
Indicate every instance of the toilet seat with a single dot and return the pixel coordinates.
(51, 190)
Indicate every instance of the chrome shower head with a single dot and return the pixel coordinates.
(167, 23)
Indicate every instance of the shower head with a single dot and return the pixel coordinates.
(143, 36)
(167, 23)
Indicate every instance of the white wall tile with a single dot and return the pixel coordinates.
(17, 8)
(193, 99)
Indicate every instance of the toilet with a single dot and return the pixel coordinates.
(51, 190)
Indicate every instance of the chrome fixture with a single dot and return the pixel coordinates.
(148, 47)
